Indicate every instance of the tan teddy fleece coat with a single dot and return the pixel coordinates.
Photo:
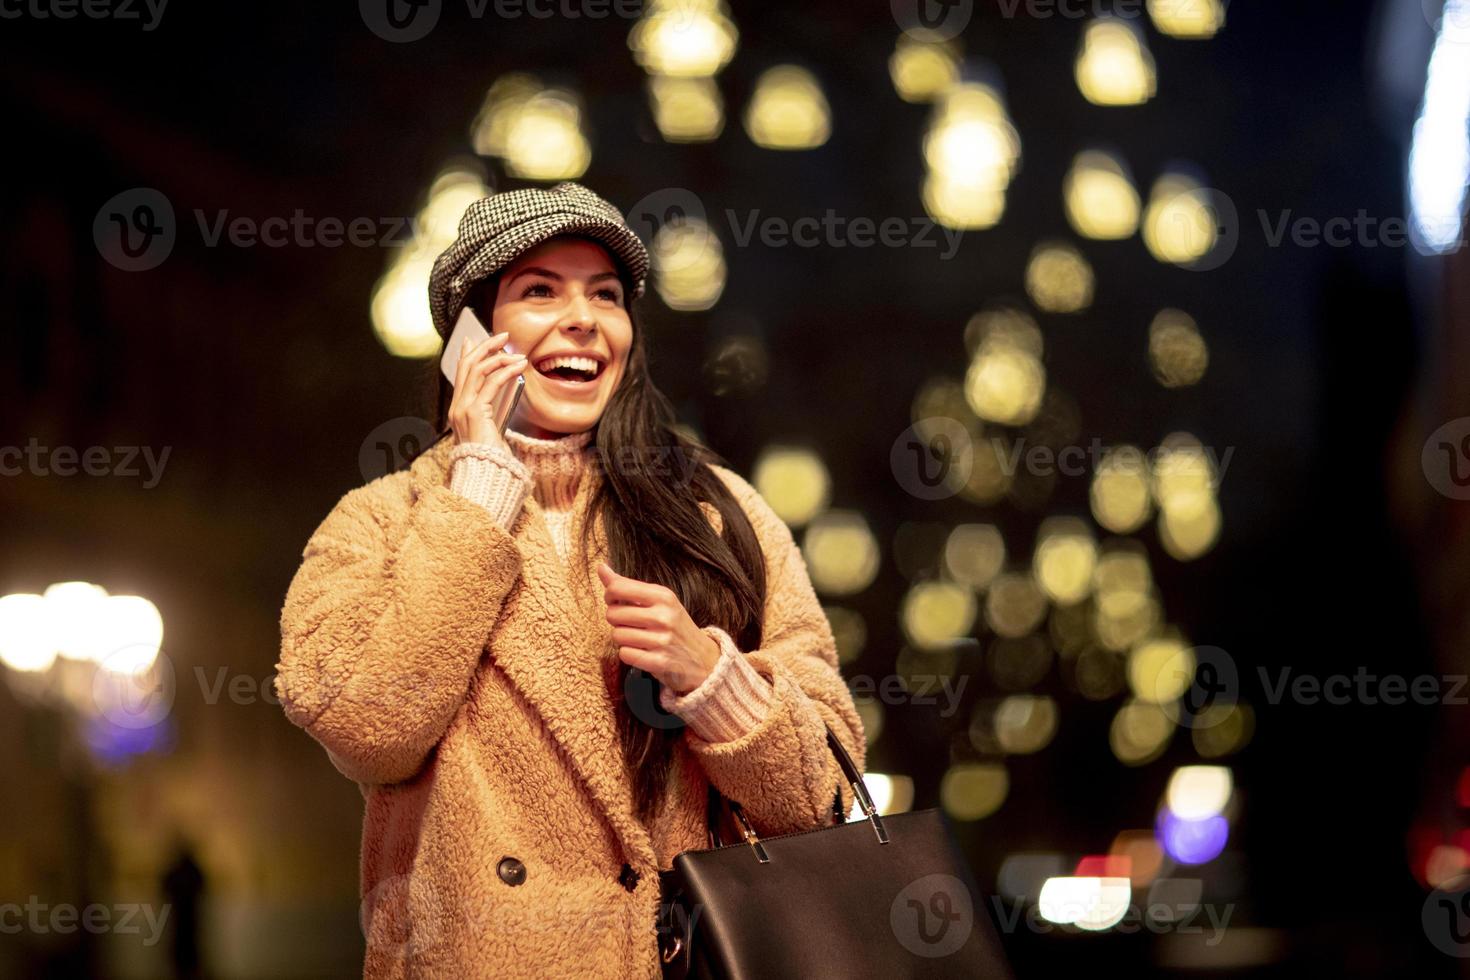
(463, 675)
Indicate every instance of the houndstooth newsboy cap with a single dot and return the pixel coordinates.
(496, 229)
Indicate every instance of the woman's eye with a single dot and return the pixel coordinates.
(608, 294)
(532, 290)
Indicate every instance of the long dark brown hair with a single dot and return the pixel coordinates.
(656, 532)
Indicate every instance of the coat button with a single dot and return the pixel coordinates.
(628, 878)
(511, 871)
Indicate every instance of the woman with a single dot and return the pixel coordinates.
(479, 641)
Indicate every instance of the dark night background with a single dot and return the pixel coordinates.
(259, 369)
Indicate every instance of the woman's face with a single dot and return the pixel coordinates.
(563, 305)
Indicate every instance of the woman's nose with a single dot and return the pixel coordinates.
(579, 317)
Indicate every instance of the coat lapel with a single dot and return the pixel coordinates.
(554, 645)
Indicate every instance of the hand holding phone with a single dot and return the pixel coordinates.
(486, 374)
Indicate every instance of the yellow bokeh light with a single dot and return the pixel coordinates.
(1139, 733)
(1160, 670)
(1114, 66)
(921, 70)
(400, 307)
(1089, 903)
(788, 111)
(971, 138)
(937, 613)
(973, 790)
(1188, 19)
(1197, 792)
(1176, 351)
(1005, 384)
(972, 151)
(841, 553)
(974, 554)
(1003, 326)
(490, 132)
(1025, 723)
(1181, 225)
(544, 138)
(688, 265)
(685, 38)
(1066, 555)
(1014, 605)
(1121, 494)
(794, 481)
(1102, 202)
(1183, 476)
(965, 205)
(1059, 279)
(1188, 535)
(686, 110)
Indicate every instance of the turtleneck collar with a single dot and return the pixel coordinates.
(556, 465)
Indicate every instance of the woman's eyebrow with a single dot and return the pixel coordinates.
(535, 270)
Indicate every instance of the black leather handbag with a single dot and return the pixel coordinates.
(886, 897)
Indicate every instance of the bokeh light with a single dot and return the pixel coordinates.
(1059, 279)
(937, 613)
(1114, 66)
(788, 111)
(1176, 351)
(1188, 19)
(974, 555)
(1121, 493)
(683, 38)
(922, 70)
(1066, 555)
(686, 110)
(1181, 225)
(973, 790)
(794, 481)
(1101, 201)
(841, 553)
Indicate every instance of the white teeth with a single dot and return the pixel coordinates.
(567, 361)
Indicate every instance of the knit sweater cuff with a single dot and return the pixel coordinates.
(730, 702)
(492, 477)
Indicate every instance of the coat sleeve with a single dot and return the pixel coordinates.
(385, 621)
(782, 772)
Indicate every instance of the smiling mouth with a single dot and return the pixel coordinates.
(572, 370)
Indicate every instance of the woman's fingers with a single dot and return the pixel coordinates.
(620, 588)
(642, 639)
(642, 617)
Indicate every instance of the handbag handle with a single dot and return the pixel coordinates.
(849, 770)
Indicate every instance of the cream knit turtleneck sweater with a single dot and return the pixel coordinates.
(734, 698)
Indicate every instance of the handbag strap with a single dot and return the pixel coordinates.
(849, 770)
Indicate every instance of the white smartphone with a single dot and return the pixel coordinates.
(469, 328)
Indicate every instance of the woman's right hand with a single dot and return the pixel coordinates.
(483, 371)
